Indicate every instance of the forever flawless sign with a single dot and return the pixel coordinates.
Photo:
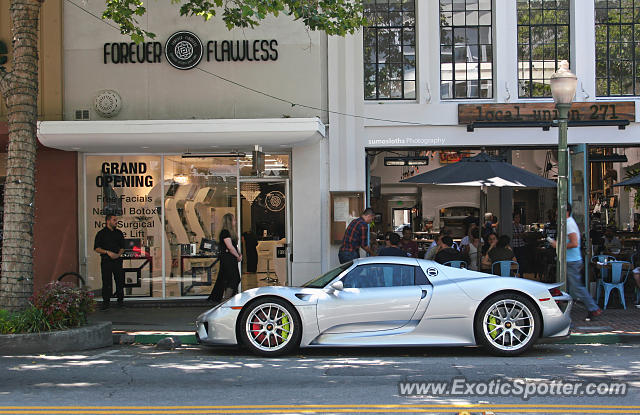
(184, 50)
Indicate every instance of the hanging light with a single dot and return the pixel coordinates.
(250, 191)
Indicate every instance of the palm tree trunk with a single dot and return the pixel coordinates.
(19, 89)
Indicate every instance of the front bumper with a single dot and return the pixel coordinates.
(217, 326)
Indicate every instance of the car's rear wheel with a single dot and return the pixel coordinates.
(270, 327)
(508, 324)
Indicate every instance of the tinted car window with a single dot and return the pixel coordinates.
(380, 275)
(421, 278)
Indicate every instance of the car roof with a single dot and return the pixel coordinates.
(386, 260)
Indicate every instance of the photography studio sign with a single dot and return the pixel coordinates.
(184, 50)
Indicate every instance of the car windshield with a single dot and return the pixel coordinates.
(324, 279)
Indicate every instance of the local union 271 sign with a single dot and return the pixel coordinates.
(184, 50)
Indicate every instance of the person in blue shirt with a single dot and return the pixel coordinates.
(393, 249)
(574, 268)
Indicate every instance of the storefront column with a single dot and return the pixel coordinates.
(506, 204)
(309, 211)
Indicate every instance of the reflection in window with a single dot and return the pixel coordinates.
(617, 47)
(466, 56)
(390, 49)
(380, 275)
(543, 41)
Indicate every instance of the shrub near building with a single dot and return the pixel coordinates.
(57, 307)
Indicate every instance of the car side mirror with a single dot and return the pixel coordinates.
(336, 286)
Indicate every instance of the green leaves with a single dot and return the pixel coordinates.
(335, 17)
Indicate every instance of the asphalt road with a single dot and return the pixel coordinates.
(149, 380)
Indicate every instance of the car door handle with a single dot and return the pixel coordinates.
(424, 294)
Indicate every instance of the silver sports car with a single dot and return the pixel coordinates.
(391, 301)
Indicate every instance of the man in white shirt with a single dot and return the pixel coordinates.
(574, 268)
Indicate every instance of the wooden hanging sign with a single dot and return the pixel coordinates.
(546, 112)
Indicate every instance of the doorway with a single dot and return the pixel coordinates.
(265, 230)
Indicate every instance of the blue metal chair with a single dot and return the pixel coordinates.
(617, 281)
(604, 271)
(506, 268)
(456, 264)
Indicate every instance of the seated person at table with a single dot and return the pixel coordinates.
(636, 276)
(436, 245)
(612, 243)
(470, 251)
(392, 249)
(499, 252)
(407, 243)
(446, 252)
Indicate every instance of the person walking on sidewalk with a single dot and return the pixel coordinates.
(228, 276)
(109, 243)
(574, 268)
(355, 237)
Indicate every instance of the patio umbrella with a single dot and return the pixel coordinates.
(481, 170)
(634, 181)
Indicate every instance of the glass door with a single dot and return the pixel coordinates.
(198, 194)
(265, 230)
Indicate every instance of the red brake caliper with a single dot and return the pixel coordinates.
(255, 328)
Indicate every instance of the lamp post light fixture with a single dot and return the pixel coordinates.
(563, 90)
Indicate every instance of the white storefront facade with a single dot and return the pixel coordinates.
(176, 132)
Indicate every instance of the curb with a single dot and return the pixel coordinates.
(576, 338)
(93, 336)
(152, 339)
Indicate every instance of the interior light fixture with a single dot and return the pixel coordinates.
(406, 161)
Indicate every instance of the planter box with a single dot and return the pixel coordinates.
(92, 336)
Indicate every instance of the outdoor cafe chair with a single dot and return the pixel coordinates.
(506, 268)
(602, 260)
(617, 281)
(456, 264)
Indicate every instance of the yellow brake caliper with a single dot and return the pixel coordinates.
(492, 325)
(285, 326)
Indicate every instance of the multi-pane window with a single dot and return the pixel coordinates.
(390, 49)
(543, 41)
(466, 55)
(617, 47)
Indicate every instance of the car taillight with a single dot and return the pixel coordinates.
(555, 292)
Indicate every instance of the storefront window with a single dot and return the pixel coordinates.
(466, 53)
(617, 50)
(129, 187)
(390, 50)
(543, 41)
(198, 193)
(267, 165)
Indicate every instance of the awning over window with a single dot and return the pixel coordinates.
(179, 136)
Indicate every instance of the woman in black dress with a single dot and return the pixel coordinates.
(228, 275)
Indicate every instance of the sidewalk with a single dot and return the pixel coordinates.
(146, 323)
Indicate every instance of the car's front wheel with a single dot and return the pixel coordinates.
(508, 324)
(270, 327)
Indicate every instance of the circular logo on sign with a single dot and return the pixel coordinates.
(183, 50)
(274, 201)
(432, 272)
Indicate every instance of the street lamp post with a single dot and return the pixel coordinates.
(563, 89)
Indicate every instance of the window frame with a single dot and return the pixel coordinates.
(377, 27)
(634, 26)
(531, 27)
(479, 45)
